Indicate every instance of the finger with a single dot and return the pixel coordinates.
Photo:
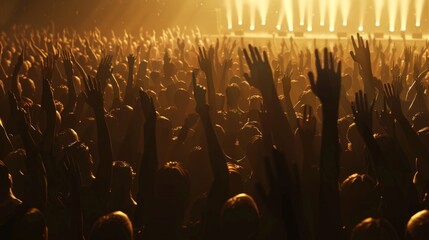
(339, 67)
(258, 55)
(252, 53)
(318, 64)
(354, 43)
(265, 57)
(331, 58)
(325, 58)
(246, 56)
(311, 79)
(310, 112)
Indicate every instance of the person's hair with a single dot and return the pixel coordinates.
(418, 226)
(122, 175)
(359, 198)
(31, 225)
(240, 218)
(374, 229)
(113, 226)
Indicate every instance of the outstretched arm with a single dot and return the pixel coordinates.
(94, 98)
(327, 89)
(218, 193)
(14, 78)
(149, 164)
(68, 68)
(262, 78)
(36, 188)
(129, 89)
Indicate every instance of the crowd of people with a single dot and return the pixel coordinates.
(144, 135)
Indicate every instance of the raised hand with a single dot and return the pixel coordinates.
(261, 74)
(362, 113)
(328, 85)
(94, 94)
(18, 120)
(286, 80)
(48, 68)
(392, 99)
(386, 120)
(47, 98)
(147, 106)
(68, 63)
(307, 125)
(199, 92)
(104, 70)
(205, 61)
(131, 59)
(362, 55)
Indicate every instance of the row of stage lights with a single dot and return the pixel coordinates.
(396, 9)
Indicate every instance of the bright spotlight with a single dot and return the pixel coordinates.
(419, 6)
(252, 28)
(393, 10)
(279, 27)
(228, 13)
(360, 28)
(333, 9)
(322, 8)
(288, 11)
(239, 8)
(302, 5)
(404, 6)
(378, 6)
(263, 6)
(309, 28)
(345, 10)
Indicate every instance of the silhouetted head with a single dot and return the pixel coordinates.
(122, 176)
(418, 226)
(172, 190)
(359, 199)
(31, 225)
(232, 95)
(79, 152)
(181, 99)
(28, 87)
(240, 218)
(113, 226)
(374, 229)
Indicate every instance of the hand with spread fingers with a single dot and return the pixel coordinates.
(148, 106)
(93, 94)
(261, 74)
(362, 113)
(328, 85)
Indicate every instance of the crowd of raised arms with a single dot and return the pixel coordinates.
(179, 136)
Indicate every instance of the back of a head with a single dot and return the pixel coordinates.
(31, 226)
(418, 226)
(113, 226)
(374, 229)
(122, 176)
(240, 218)
(359, 198)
